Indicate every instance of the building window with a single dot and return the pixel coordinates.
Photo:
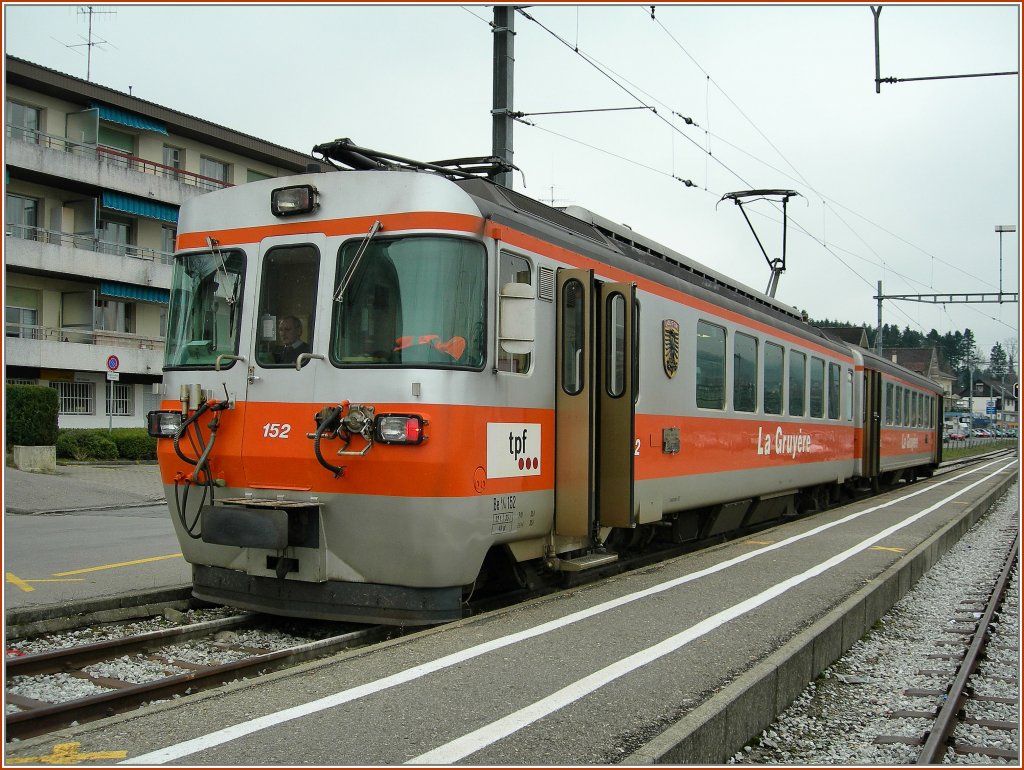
(710, 366)
(112, 316)
(23, 122)
(744, 373)
(213, 169)
(174, 159)
(117, 140)
(115, 234)
(20, 322)
(120, 402)
(255, 176)
(168, 235)
(75, 397)
(22, 217)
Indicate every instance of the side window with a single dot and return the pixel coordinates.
(906, 406)
(817, 387)
(287, 305)
(615, 333)
(744, 373)
(890, 409)
(774, 363)
(834, 373)
(897, 415)
(513, 269)
(710, 366)
(797, 382)
(848, 395)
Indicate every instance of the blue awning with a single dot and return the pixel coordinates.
(130, 291)
(140, 207)
(130, 119)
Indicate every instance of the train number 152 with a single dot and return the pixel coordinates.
(276, 430)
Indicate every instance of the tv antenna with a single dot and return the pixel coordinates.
(89, 11)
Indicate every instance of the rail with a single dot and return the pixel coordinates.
(83, 336)
(115, 157)
(88, 242)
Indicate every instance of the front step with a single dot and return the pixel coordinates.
(585, 562)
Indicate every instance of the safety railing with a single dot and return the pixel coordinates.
(82, 336)
(88, 243)
(115, 157)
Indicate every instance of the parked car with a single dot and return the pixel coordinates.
(956, 435)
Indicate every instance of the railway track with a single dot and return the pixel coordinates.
(124, 673)
(968, 646)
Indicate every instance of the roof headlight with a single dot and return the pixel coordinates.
(297, 199)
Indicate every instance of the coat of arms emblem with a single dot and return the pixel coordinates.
(670, 346)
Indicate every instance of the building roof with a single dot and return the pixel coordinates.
(854, 335)
(53, 83)
(920, 360)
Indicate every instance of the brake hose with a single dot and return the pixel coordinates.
(321, 428)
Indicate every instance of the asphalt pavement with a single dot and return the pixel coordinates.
(82, 486)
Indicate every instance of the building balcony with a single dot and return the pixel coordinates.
(47, 252)
(101, 167)
(84, 350)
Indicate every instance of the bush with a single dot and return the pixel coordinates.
(134, 443)
(31, 415)
(86, 444)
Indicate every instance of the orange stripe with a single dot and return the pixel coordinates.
(558, 253)
(416, 220)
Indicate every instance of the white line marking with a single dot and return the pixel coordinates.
(227, 734)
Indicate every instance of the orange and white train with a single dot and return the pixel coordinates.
(386, 382)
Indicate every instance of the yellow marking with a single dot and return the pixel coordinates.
(883, 548)
(119, 564)
(67, 753)
(759, 542)
(14, 579)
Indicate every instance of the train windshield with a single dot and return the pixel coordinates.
(205, 308)
(416, 301)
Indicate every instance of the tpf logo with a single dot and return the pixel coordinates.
(513, 449)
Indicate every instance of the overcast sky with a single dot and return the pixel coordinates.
(904, 187)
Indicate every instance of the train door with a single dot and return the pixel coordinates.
(284, 359)
(872, 422)
(594, 404)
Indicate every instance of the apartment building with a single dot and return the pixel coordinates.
(93, 181)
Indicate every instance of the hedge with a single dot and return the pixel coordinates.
(31, 415)
(102, 444)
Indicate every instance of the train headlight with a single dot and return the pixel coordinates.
(399, 429)
(163, 424)
(298, 199)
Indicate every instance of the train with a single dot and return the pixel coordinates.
(387, 383)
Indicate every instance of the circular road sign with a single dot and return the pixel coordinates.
(113, 363)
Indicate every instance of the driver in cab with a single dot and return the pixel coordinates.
(289, 335)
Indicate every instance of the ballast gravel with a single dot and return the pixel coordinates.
(836, 720)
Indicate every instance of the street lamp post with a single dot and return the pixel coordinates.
(1002, 229)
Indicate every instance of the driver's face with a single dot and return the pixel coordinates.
(287, 333)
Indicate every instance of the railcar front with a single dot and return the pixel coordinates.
(334, 443)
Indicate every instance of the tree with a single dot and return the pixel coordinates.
(997, 361)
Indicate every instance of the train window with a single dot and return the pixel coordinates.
(774, 373)
(835, 372)
(817, 387)
(573, 336)
(797, 382)
(848, 395)
(205, 308)
(744, 373)
(414, 301)
(287, 305)
(897, 415)
(710, 366)
(513, 269)
(906, 406)
(615, 355)
(890, 409)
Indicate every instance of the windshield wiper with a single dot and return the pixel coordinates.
(339, 295)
